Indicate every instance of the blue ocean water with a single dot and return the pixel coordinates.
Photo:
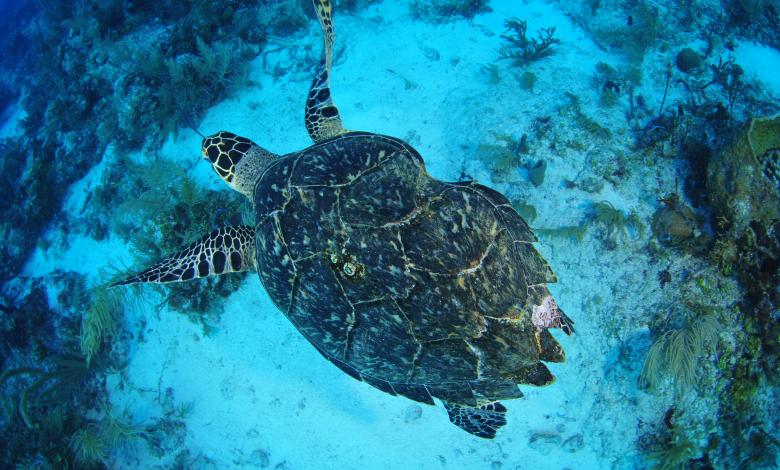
(488, 234)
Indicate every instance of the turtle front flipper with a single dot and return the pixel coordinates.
(226, 250)
(322, 116)
(483, 421)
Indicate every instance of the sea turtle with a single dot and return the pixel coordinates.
(418, 287)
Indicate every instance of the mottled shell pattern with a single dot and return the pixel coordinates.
(418, 287)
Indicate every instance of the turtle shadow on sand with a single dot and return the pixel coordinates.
(418, 287)
(282, 348)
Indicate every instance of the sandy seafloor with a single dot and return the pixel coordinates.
(262, 396)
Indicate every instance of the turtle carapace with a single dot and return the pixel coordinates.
(419, 287)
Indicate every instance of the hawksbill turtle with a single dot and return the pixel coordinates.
(418, 287)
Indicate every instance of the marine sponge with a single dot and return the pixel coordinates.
(527, 80)
(635, 38)
(673, 225)
(501, 162)
(688, 60)
(536, 172)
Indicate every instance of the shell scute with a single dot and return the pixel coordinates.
(340, 161)
(380, 255)
(272, 190)
(320, 309)
(310, 221)
(418, 287)
(382, 344)
(442, 307)
(446, 361)
(452, 233)
(383, 196)
(274, 263)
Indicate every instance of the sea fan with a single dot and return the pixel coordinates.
(676, 354)
(100, 320)
(521, 50)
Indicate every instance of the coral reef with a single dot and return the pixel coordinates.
(741, 178)
(66, 374)
(160, 208)
(98, 75)
(443, 10)
(585, 122)
(492, 73)
(55, 410)
(7, 95)
(93, 443)
(572, 232)
(614, 220)
(629, 27)
(675, 453)
(506, 158)
(745, 198)
(186, 85)
(86, 90)
(47, 390)
(756, 19)
(693, 343)
(669, 100)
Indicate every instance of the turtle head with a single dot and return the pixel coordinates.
(237, 160)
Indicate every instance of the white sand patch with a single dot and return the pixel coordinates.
(761, 63)
(10, 120)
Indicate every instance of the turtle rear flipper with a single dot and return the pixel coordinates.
(483, 421)
(322, 115)
(567, 324)
(226, 250)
